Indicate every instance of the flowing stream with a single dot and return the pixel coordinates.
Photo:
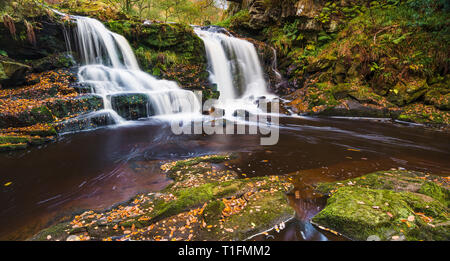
(235, 68)
(96, 169)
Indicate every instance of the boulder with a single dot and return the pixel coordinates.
(405, 92)
(12, 73)
(132, 106)
(387, 205)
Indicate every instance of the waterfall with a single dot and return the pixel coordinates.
(235, 68)
(110, 68)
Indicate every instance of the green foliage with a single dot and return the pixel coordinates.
(237, 20)
(186, 11)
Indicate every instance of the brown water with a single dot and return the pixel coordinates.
(96, 169)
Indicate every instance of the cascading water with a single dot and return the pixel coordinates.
(235, 68)
(110, 69)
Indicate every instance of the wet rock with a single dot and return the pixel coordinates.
(388, 205)
(132, 106)
(85, 122)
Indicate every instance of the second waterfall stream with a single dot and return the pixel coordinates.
(236, 69)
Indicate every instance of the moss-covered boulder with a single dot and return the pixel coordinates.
(387, 205)
(132, 106)
(52, 62)
(50, 111)
(12, 72)
(407, 92)
(438, 94)
(205, 202)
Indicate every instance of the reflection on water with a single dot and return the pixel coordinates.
(100, 168)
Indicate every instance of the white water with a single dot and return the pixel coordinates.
(110, 68)
(235, 68)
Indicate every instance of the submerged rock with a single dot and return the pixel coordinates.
(387, 205)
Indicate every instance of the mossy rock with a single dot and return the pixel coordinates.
(407, 92)
(132, 106)
(62, 108)
(3, 75)
(13, 139)
(85, 122)
(12, 72)
(12, 147)
(52, 110)
(391, 205)
(51, 62)
(98, 9)
(59, 231)
(438, 99)
(261, 214)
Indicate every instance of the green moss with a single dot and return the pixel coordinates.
(132, 106)
(381, 203)
(41, 114)
(13, 139)
(361, 212)
(213, 211)
(56, 231)
(186, 199)
(259, 215)
(238, 20)
(11, 147)
(194, 161)
(437, 192)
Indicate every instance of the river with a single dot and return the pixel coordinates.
(97, 169)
